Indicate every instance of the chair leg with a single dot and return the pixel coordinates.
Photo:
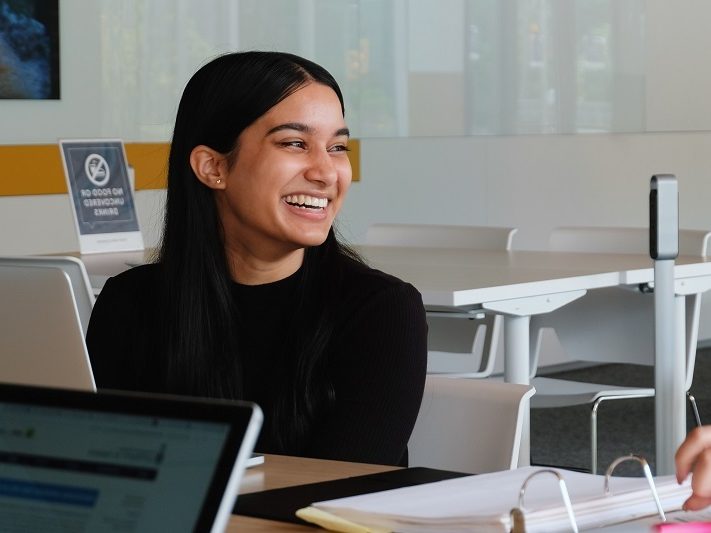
(694, 408)
(593, 435)
(593, 422)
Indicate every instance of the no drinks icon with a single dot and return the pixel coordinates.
(97, 170)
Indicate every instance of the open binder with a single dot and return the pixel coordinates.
(530, 499)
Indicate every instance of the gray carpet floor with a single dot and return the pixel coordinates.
(561, 436)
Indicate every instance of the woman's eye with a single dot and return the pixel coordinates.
(294, 144)
(339, 148)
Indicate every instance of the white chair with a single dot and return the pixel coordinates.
(74, 268)
(441, 236)
(459, 344)
(469, 425)
(614, 325)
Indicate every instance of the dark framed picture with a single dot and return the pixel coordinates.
(29, 49)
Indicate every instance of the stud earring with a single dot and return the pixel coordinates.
(219, 181)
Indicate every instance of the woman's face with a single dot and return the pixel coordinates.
(290, 175)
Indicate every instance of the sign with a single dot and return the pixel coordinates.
(104, 210)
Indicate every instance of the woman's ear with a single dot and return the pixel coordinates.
(209, 166)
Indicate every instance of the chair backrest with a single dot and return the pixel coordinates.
(441, 236)
(623, 318)
(469, 425)
(621, 240)
(449, 336)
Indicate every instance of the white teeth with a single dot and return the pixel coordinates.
(302, 200)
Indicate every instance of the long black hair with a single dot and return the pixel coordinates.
(202, 350)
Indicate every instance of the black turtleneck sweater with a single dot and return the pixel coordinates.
(377, 356)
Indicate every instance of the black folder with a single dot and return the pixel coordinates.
(282, 504)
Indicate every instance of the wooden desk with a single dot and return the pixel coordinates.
(282, 471)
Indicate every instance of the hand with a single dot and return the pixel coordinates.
(694, 455)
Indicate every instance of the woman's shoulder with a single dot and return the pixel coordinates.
(360, 281)
(135, 284)
(136, 277)
(129, 296)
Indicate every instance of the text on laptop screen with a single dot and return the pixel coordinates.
(65, 469)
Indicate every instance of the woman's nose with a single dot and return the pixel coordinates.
(321, 168)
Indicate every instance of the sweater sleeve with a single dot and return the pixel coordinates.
(104, 342)
(118, 335)
(379, 374)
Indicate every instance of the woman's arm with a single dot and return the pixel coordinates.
(105, 338)
(378, 371)
(122, 330)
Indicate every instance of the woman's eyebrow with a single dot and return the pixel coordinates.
(298, 126)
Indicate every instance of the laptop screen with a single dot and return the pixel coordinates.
(119, 463)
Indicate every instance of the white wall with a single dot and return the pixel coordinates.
(532, 182)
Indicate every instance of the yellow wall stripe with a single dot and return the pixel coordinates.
(150, 162)
(37, 168)
(31, 169)
(354, 156)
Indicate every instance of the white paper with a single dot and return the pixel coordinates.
(486, 500)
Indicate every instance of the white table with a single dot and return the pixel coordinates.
(519, 284)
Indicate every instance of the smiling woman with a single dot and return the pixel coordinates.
(252, 295)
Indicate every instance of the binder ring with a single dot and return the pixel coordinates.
(647, 474)
(563, 494)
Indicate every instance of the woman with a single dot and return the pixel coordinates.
(252, 295)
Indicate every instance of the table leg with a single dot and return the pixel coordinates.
(669, 378)
(517, 349)
(517, 352)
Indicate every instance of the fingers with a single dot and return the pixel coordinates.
(688, 453)
(701, 477)
(694, 455)
(696, 503)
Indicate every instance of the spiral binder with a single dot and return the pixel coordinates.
(518, 514)
(519, 500)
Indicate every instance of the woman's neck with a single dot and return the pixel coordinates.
(251, 269)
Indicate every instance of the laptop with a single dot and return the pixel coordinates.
(78, 461)
(41, 336)
(78, 276)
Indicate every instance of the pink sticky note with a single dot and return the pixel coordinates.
(684, 527)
